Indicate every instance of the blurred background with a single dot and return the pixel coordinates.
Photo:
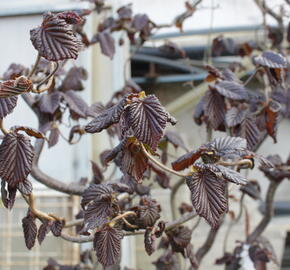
(177, 81)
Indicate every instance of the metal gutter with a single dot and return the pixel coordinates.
(171, 78)
(207, 31)
(164, 61)
(27, 9)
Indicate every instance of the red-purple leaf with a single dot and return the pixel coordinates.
(107, 43)
(215, 108)
(253, 189)
(96, 192)
(14, 71)
(133, 161)
(16, 154)
(249, 130)
(78, 107)
(97, 213)
(8, 196)
(53, 137)
(186, 160)
(208, 196)
(73, 79)
(231, 90)
(235, 116)
(7, 105)
(147, 118)
(172, 48)
(179, 238)
(125, 12)
(98, 176)
(25, 187)
(140, 21)
(272, 114)
(49, 103)
(229, 145)
(70, 17)
(175, 139)
(29, 230)
(43, 230)
(56, 227)
(271, 60)
(213, 73)
(29, 131)
(222, 173)
(107, 118)
(232, 175)
(167, 261)
(149, 242)
(75, 130)
(107, 244)
(148, 212)
(54, 39)
(15, 87)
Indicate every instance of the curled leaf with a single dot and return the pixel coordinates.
(15, 87)
(106, 118)
(54, 40)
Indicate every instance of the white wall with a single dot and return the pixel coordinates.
(65, 162)
(228, 13)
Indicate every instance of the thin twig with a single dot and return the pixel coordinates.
(173, 193)
(48, 77)
(204, 249)
(268, 212)
(242, 162)
(115, 219)
(39, 214)
(3, 130)
(159, 164)
(168, 226)
(265, 9)
(233, 222)
(34, 66)
(253, 75)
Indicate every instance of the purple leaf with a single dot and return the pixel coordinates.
(16, 154)
(54, 39)
(107, 244)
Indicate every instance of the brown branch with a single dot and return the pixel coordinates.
(2, 128)
(242, 162)
(40, 176)
(234, 222)
(159, 164)
(168, 226)
(266, 9)
(34, 66)
(49, 77)
(252, 76)
(72, 223)
(267, 214)
(204, 249)
(115, 219)
(173, 193)
(39, 214)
